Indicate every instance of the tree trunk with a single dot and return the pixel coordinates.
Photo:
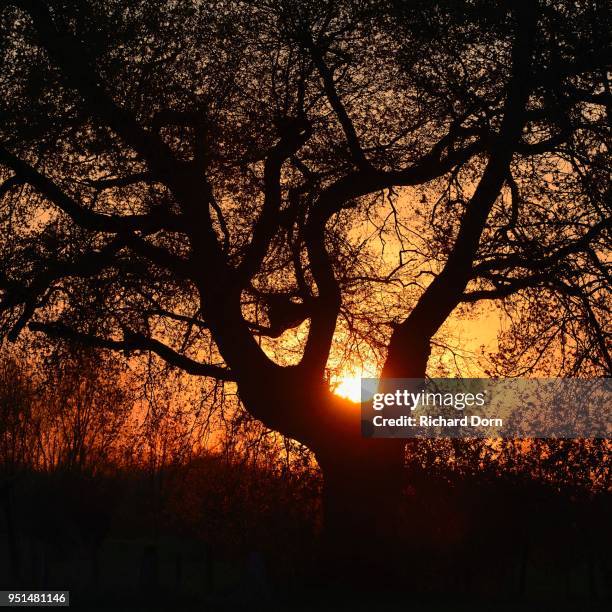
(363, 477)
(362, 496)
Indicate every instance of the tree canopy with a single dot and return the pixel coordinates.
(244, 187)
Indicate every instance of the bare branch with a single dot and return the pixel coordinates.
(446, 290)
(131, 343)
(517, 260)
(78, 69)
(85, 218)
(120, 181)
(335, 101)
(294, 137)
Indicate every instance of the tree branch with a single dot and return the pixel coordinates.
(134, 342)
(517, 260)
(120, 181)
(77, 67)
(511, 287)
(267, 223)
(446, 290)
(83, 217)
(336, 197)
(333, 97)
(87, 265)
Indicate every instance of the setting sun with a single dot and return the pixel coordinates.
(350, 388)
(349, 384)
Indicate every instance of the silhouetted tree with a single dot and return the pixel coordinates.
(18, 425)
(83, 406)
(193, 179)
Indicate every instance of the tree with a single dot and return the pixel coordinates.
(193, 180)
(84, 402)
(17, 421)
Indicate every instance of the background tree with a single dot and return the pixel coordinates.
(84, 404)
(221, 183)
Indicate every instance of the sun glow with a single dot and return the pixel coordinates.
(348, 383)
(349, 387)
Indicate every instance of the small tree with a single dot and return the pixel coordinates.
(17, 417)
(84, 403)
